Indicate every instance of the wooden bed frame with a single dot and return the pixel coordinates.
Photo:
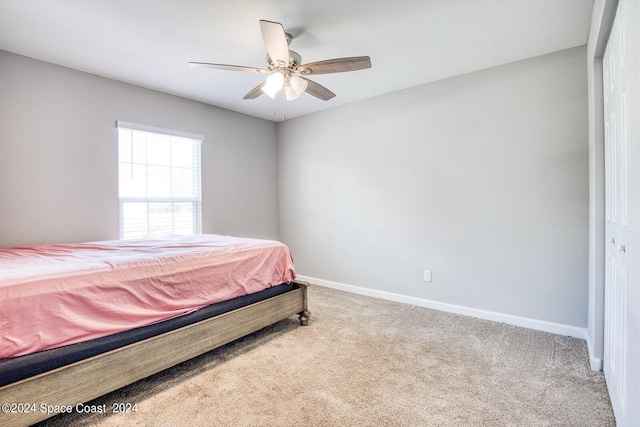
(87, 379)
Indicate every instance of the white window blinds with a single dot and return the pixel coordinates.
(160, 181)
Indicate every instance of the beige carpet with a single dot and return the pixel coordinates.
(369, 362)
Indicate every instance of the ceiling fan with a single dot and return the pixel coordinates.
(285, 70)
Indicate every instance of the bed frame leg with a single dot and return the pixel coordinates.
(305, 313)
(304, 317)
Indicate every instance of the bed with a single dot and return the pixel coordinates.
(80, 320)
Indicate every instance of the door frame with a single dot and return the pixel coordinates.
(601, 24)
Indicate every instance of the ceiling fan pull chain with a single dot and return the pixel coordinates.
(284, 105)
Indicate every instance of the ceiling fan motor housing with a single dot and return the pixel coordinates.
(294, 60)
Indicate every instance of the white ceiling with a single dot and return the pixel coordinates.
(410, 42)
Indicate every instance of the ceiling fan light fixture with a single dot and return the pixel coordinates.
(298, 84)
(274, 84)
(290, 93)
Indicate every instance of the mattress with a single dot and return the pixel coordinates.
(61, 294)
(19, 368)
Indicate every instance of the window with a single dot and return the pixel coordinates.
(160, 184)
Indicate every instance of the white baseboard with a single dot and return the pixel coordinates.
(525, 322)
(595, 362)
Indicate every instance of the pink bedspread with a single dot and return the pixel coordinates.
(54, 295)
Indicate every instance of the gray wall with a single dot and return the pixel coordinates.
(482, 179)
(58, 155)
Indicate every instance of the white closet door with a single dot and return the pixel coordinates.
(618, 99)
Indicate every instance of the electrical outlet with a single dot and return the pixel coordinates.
(427, 275)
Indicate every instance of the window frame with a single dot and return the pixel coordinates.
(196, 199)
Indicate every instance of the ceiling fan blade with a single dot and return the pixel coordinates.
(227, 67)
(319, 91)
(338, 65)
(275, 40)
(255, 92)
